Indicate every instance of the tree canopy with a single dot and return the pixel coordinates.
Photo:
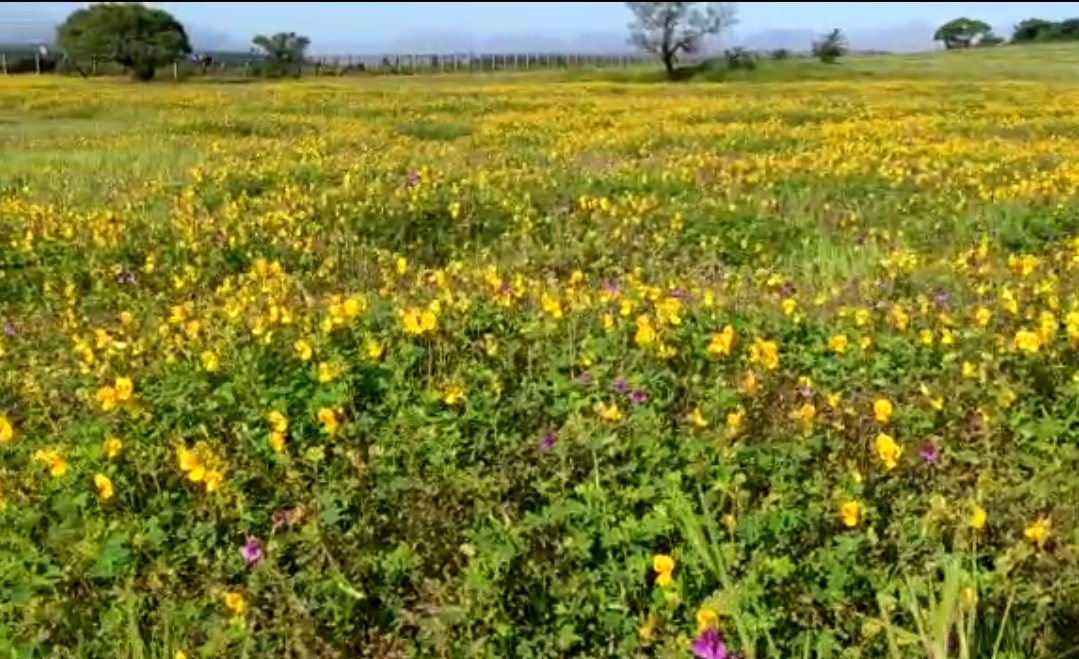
(671, 29)
(137, 37)
(830, 47)
(1039, 29)
(285, 51)
(962, 32)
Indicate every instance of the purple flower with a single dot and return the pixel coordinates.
(585, 378)
(620, 385)
(709, 645)
(412, 179)
(548, 442)
(929, 453)
(9, 328)
(942, 298)
(679, 294)
(612, 287)
(252, 550)
(126, 278)
(788, 289)
(638, 397)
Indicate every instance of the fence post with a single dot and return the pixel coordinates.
(37, 63)
(175, 70)
(3, 63)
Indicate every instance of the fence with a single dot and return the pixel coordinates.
(25, 61)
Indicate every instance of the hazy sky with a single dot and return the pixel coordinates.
(367, 21)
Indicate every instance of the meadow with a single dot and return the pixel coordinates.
(519, 367)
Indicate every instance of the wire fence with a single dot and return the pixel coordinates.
(41, 61)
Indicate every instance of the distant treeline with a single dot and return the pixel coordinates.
(1040, 30)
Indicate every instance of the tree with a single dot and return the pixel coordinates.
(283, 50)
(672, 29)
(1038, 29)
(1032, 29)
(962, 32)
(830, 47)
(135, 36)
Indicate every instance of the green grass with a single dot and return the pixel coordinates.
(1038, 63)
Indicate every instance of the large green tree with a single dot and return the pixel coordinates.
(285, 51)
(137, 37)
(962, 32)
(672, 29)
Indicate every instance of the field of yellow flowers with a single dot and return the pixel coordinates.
(501, 369)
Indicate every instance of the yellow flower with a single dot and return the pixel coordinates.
(418, 321)
(765, 353)
(1038, 532)
(328, 419)
(646, 333)
(188, 460)
(277, 441)
(303, 350)
(838, 344)
(663, 566)
(850, 513)
(707, 618)
(53, 461)
(882, 410)
(210, 362)
(608, 412)
(7, 430)
(327, 372)
(200, 465)
(721, 343)
(697, 419)
(806, 414)
(372, 349)
(112, 447)
(748, 383)
(978, 517)
(453, 394)
(735, 421)
(1028, 342)
(278, 421)
(106, 398)
(888, 451)
(179, 654)
(235, 602)
(124, 389)
(104, 487)
(213, 480)
(647, 628)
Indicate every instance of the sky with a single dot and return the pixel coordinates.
(370, 22)
(337, 21)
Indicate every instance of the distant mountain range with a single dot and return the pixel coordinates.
(32, 29)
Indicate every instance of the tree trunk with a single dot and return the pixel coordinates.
(668, 64)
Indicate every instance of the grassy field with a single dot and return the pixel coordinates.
(528, 368)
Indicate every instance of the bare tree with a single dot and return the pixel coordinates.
(671, 29)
